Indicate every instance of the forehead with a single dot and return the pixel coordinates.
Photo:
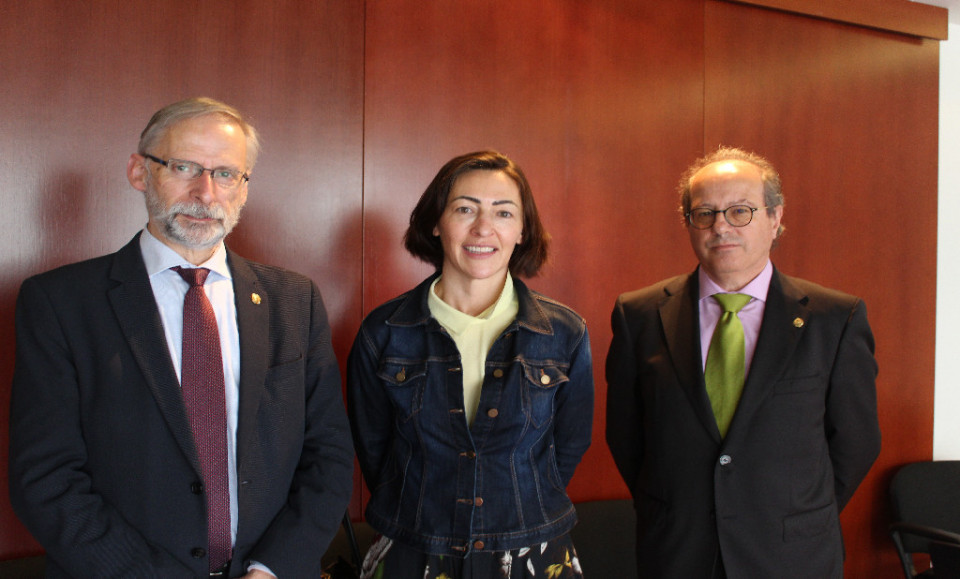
(208, 136)
(485, 184)
(728, 180)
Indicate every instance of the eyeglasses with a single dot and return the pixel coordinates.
(188, 170)
(736, 215)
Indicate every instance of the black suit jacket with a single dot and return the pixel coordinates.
(103, 469)
(766, 498)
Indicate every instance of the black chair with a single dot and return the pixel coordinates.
(344, 556)
(24, 568)
(605, 538)
(926, 509)
(946, 559)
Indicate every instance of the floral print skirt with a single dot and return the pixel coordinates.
(555, 559)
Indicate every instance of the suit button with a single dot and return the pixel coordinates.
(196, 488)
(478, 545)
(725, 460)
(198, 553)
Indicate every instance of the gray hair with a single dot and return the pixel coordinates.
(772, 187)
(162, 120)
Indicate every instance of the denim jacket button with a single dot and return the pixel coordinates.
(498, 373)
(401, 375)
(478, 501)
(493, 413)
(544, 379)
(478, 545)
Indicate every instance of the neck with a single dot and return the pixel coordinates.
(733, 282)
(471, 297)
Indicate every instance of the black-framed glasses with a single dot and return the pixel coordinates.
(225, 177)
(736, 215)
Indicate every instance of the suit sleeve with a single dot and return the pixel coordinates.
(852, 428)
(320, 490)
(49, 487)
(624, 429)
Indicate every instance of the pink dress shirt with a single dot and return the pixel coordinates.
(751, 316)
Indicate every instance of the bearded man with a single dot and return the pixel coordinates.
(176, 409)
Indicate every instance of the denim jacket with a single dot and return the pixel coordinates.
(440, 486)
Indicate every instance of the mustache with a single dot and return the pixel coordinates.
(722, 240)
(197, 211)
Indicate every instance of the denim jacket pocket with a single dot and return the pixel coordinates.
(404, 382)
(541, 382)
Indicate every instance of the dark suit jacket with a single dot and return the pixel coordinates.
(767, 497)
(103, 469)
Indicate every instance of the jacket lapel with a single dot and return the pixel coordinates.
(784, 318)
(253, 324)
(139, 319)
(680, 319)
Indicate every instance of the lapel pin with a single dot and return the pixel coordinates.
(255, 298)
(797, 322)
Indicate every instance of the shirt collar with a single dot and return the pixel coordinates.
(159, 257)
(757, 288)
(462, 320)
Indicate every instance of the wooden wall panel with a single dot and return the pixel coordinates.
(902, 16)
(603, 102)
(595, 100)
(81, 79)
(849, 116)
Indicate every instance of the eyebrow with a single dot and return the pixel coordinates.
(477, 201)
(740, 202)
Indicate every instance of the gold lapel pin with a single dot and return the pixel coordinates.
(255, 298)
(798, 322)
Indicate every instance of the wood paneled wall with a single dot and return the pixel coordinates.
(602, 102)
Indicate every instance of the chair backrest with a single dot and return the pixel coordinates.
(927, 493)
(605, 538)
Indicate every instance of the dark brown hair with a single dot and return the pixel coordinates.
(528, 257)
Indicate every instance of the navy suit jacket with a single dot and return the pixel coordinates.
(103, 469)
(765, 498)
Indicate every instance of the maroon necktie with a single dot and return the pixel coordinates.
(201, 380)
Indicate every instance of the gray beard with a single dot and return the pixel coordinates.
(193, 235)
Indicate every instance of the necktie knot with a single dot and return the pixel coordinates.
(195, 276)
(732, 303)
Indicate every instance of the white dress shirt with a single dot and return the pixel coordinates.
(169, 290)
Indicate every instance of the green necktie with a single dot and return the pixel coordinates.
(724, 372)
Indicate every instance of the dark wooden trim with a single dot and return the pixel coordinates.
(901, 16)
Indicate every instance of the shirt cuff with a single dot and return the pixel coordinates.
(259, 567)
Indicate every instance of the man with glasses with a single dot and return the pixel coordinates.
(176, 409)
(741, 405)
